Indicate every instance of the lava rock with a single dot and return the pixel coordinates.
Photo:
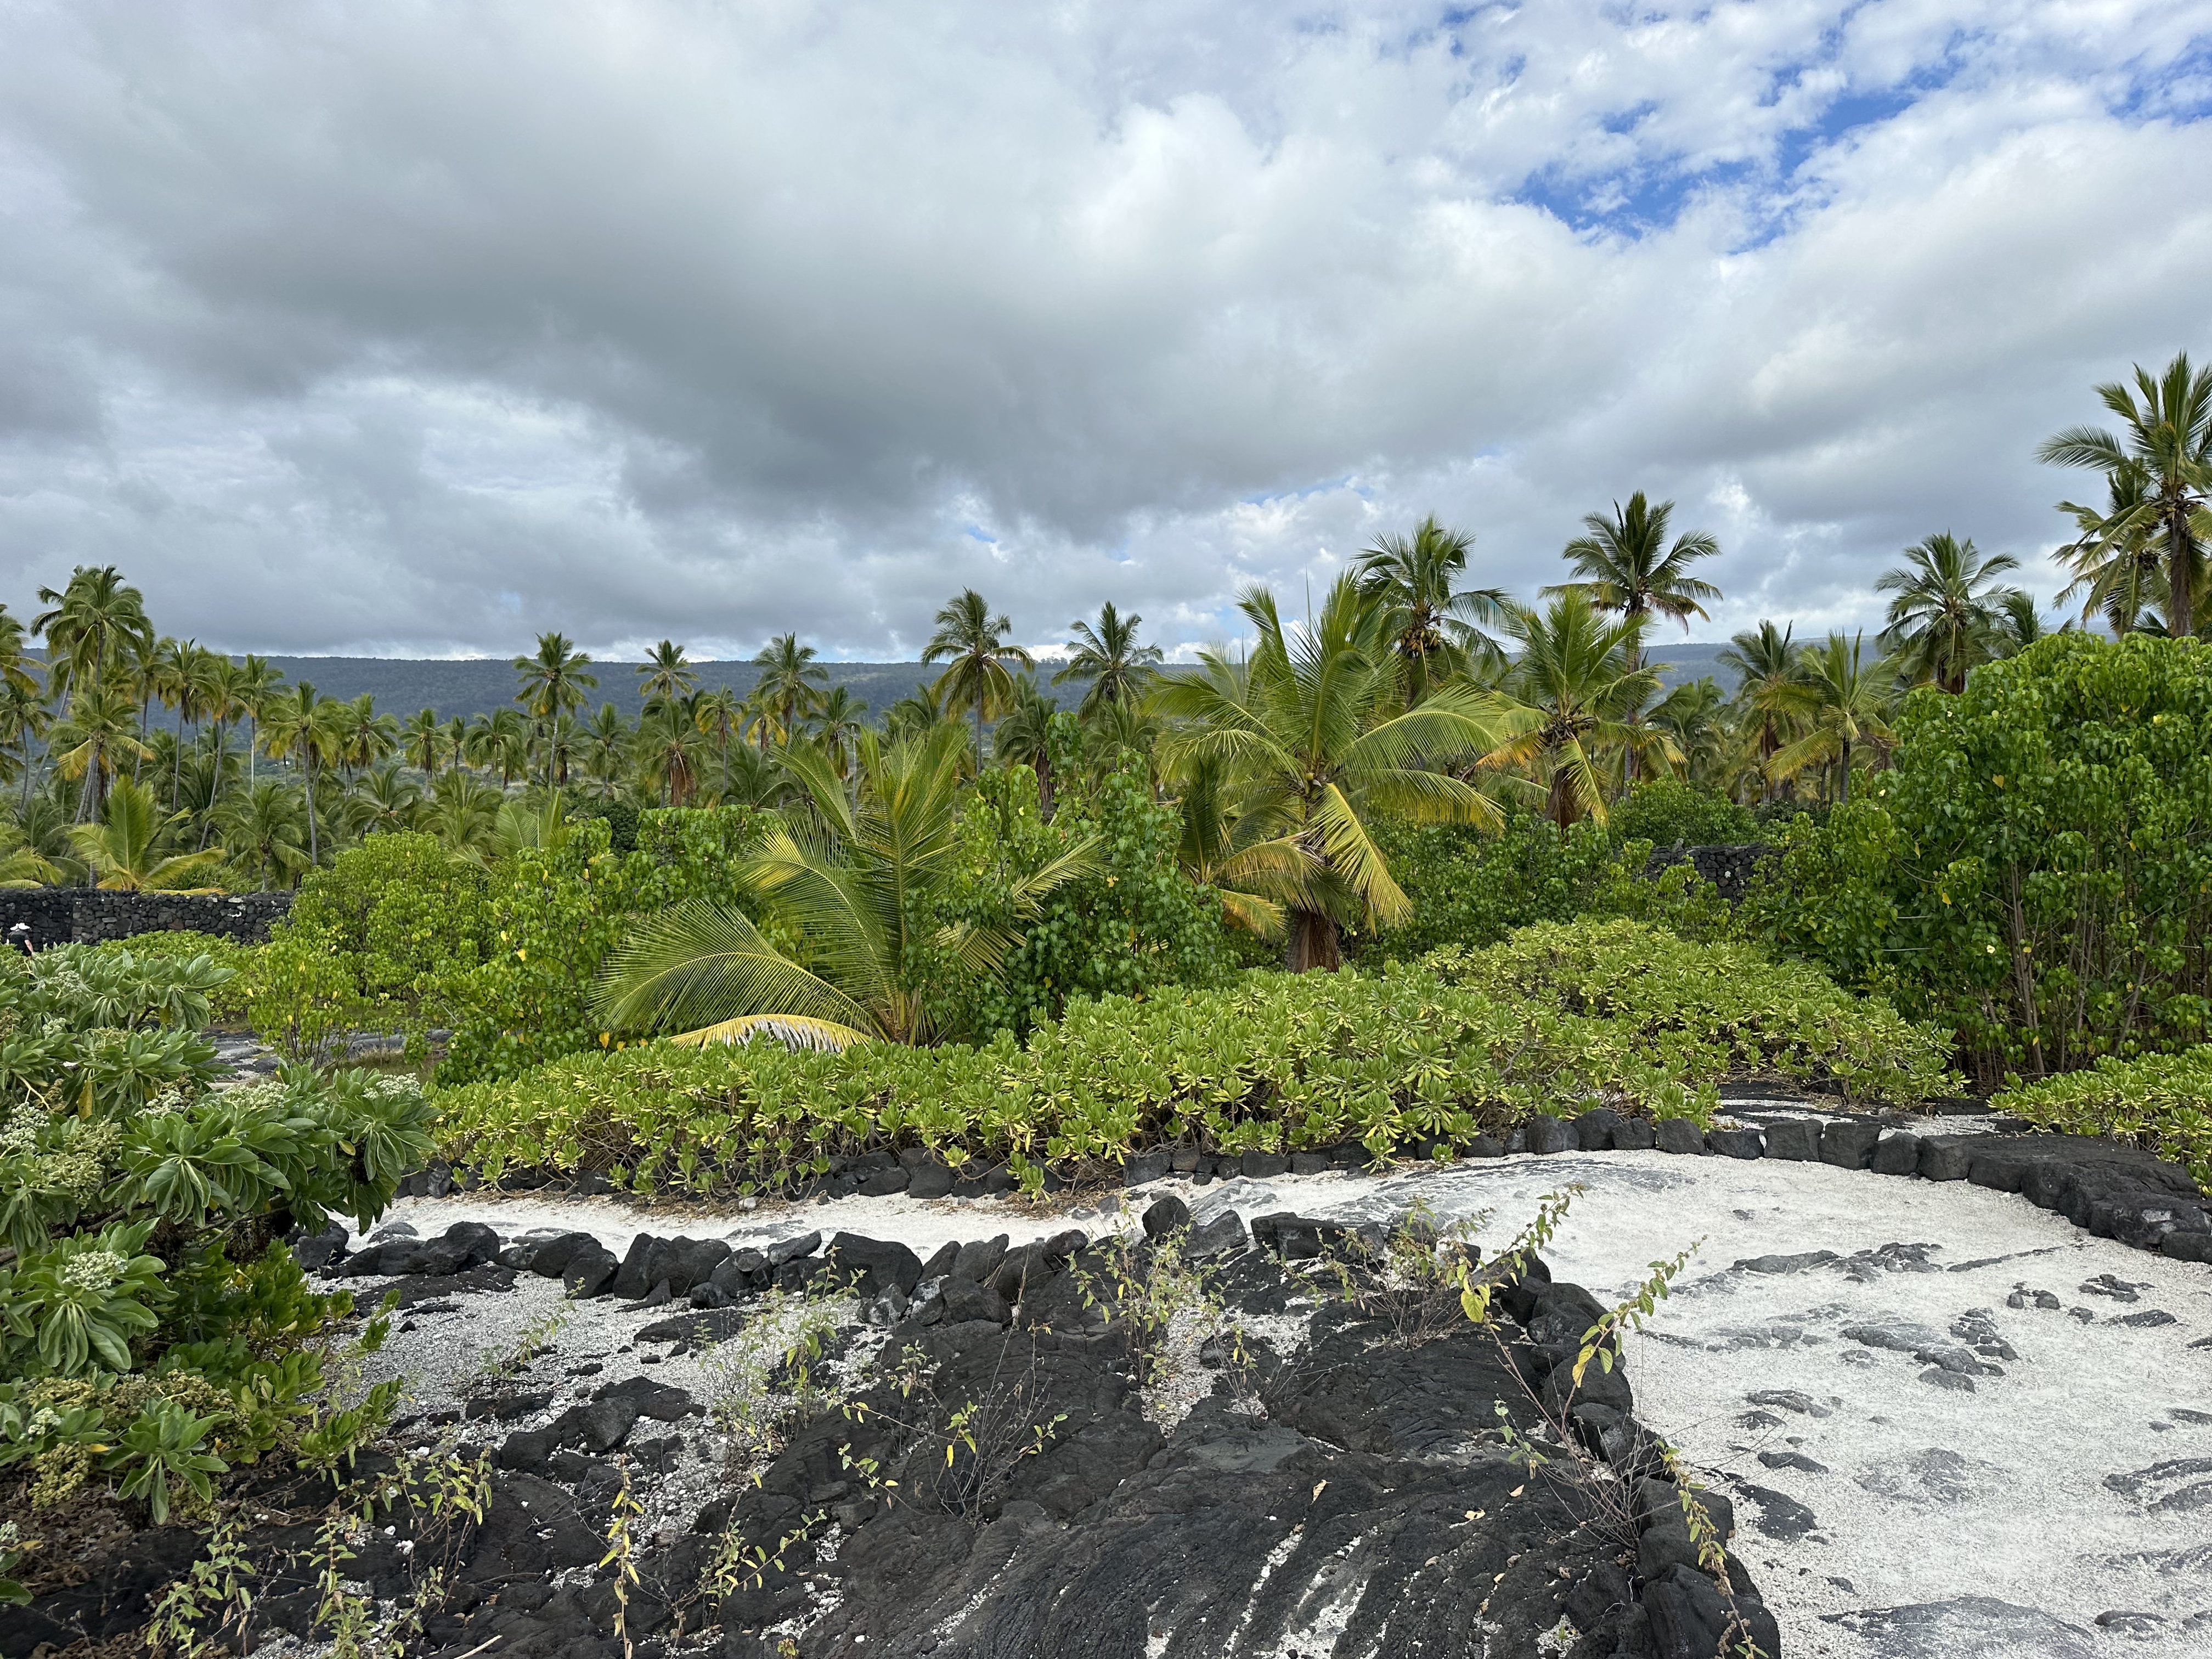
(1217, 1238)
(1264, 1166)
(1796, 1138)
(1594, 1129)
(1735, 1142)
(1849, 1143)
(1690, 1619)
(1547, 1134)
(1140, 1167)
(1897, 1154)
(657, 1401)
(930, 1181)
(1679, 1134)
(589, 1272)
(1943, 1160)
(1634, 1135)
(1165, 1216)
(793, 1249)
(318, 1251)
(632, 1279)
(979, 1259)
(466, 1244)
(879, 1263)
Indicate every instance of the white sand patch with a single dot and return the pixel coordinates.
(1929, 1493)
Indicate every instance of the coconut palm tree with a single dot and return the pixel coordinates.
(2118, 559)
(1581, 676)
(122, 847)
(666, 673)
(306, 727)
(1109, 657)
(789, 676)
(24, 719)
(837, 723)
(2018, 623)
(1626, 564)
(263, 830)
(94, 627)
(423, 741)
(18, 668)
(854, 879)
(1435, 624)
(1843, 701)
(2166, 438)
(606, 747)
(1694, 716)
(1766, 664)
(718, 713)
(99, 730)
(464, 814)
(553, 682)
(1943, 621)
(385, 800)
(915, 714)
(256, 686)
(671, 749)
(1314, 738)
(978, 677)
(1023, 737)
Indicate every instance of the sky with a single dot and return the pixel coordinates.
(418, 328)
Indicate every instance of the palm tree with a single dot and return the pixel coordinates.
(256, 684)
(1626, 565)
(263, 829)
(915, 715)
(669, 747)
(23, 720)
(500, 742)
(1109, 657)
(1766, 664)
(464, 814)
(302, 725)
(385, 800)
(606, 743)
(1314, 738)
(122, 846)
(1943, 621)
(1582, 677)
(365, 737)
(18, 668)
(837, 724)
(2019, 625)
(853, 879)
(422, 740)
(1023, 737)
(100, 727)
(718, 713)
(1693, 716)
(2118, 559)
(553, 684)
(1842, 702)
(2167, 438)
(1434, 623)
(787, 686)
(666, 673)
(94, 626)
(972, 642)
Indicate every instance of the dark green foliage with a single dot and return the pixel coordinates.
(1137, 922)
(620, 816)
(1444, 1048)
(553, 915)
(2162, 1102)
(2036, 871)
(1672, 812)
(150, 1316)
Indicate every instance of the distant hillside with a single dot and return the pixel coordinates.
(476, 685)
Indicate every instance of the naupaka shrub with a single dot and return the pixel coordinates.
(1438, 1050)
(2162, 1102)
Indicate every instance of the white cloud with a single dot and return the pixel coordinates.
(413, 327)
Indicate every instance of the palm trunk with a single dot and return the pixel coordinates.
(2181, 577)
(314, 853)
(1313, 944)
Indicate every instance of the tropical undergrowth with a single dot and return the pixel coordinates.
(1438, 1051)
(154, 1326)
(2162, 1102)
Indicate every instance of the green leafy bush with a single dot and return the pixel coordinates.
(2162, 1102)
(227, 1001)
(1471, 887)
(1136, 922)
(2036, 870)
(553, 914)
(1276, 1061)
(152, 1322)
(1674, 813)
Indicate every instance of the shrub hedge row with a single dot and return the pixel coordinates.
(1557, 1018)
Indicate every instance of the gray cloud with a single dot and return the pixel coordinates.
(418, 328)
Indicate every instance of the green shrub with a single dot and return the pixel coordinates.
(1276, 1061)
(1135, 923)
(152, 1322)
(1673, 812)
(227, 1001)
(2036, 870)
(2162, 1102)
(1471, 887)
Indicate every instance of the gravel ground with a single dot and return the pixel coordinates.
(1974, 1430)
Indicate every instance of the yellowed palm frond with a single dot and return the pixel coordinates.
(792, 1030)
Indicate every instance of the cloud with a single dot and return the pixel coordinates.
(414, 328)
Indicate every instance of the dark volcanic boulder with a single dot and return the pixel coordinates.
(880, 1265)
(465, 1244)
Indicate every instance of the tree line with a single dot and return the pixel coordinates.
(1409, 692)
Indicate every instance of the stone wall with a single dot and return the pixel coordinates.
(1729, 868)
(61, 915)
